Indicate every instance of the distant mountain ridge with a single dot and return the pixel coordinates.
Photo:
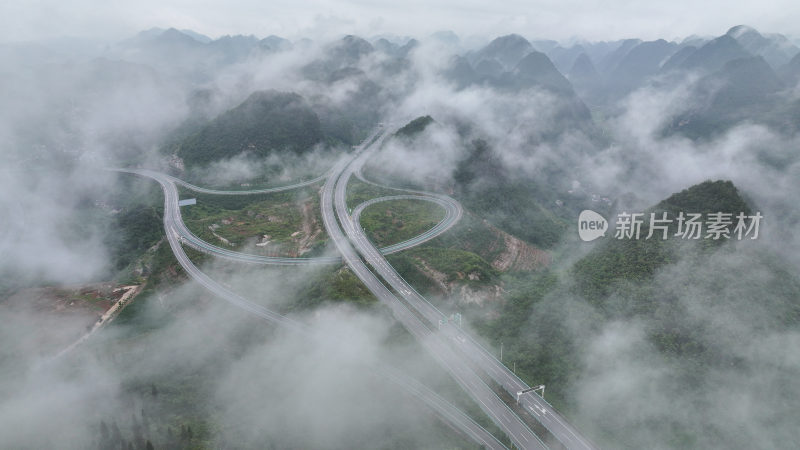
(510, 63)
(507, 50)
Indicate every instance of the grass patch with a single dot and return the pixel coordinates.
(395, 221)
(456, 264)
(358, 192)
(473, 235)
(333, 284)
(284, 223)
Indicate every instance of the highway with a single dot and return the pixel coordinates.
(455, 349)
(190, 239)
(172, 226)
(333, 205)
(203, 190)
(453, 213)
(548, 416)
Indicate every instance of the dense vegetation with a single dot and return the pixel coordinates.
(335, 284)
(635, 260)
(514, 205)
(135, 230)
(267, 121)
(414, 127)
(398, 220)
(648, 281)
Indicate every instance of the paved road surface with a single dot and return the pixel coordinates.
(452, 208)
(548, 416)
(333, 206)
(449, 344)
(172, 227)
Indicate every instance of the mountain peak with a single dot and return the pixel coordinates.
(273, 42)
(509, 43)
(202, 38)
(715, 54)
(508, 50)
(775, 48)
(150, 33)
(508, 40)
(350, 48)
(740, 30)
(354, 41)
(266, 121)
(583, 68)
(537, 68)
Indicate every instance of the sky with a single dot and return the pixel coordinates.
(26, 20)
